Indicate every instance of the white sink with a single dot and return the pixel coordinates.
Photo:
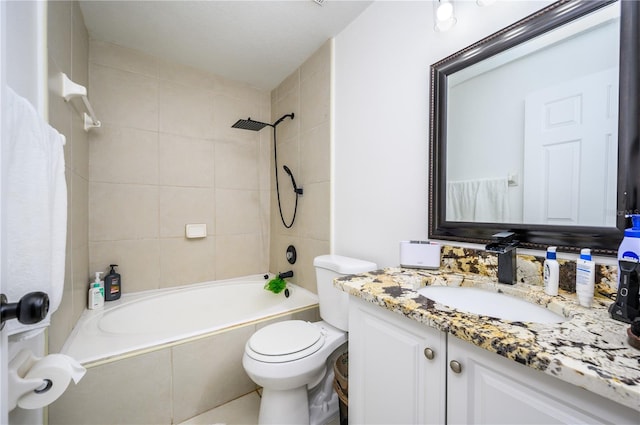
(493, 304)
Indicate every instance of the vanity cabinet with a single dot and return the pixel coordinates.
(397, 368)
(405, 372)
(486, 388)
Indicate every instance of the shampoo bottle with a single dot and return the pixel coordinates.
(551, 272)
(112, 284)
(585, 278)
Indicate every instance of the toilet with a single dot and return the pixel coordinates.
(293, 360)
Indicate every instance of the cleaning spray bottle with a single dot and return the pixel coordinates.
(627, 305)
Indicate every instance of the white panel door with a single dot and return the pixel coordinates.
(4, 414)
(571, 139)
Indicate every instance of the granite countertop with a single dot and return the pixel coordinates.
(589, 350)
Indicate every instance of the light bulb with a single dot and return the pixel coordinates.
(444, 11)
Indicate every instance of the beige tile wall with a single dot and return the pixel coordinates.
(68, 51)
(166, 386)
(167, 156)
(304, 146)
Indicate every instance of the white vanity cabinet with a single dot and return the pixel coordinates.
(486, 388)
(397, 368)
(405, 372)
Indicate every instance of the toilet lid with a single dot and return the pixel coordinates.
(285, 341)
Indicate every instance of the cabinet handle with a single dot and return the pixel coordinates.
(456, 367)
(429, 354)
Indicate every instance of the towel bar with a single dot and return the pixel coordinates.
(69, 90)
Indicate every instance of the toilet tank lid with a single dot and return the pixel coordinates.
(343, 265)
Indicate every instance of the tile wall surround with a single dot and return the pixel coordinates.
(529, 268)
(303, 144)
(166, 156)
(68, 52)
(165, 386)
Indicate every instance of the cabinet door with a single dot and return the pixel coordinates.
(491, 389)
(391, 380)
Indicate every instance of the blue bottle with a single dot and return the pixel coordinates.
(627, 305)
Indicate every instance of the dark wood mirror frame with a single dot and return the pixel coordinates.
(602, 240)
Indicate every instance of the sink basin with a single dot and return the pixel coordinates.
(493, 304)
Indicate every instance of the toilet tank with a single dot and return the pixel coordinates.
(334, 303)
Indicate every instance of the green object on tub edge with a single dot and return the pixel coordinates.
(275, 285)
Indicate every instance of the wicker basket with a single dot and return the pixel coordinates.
(341, 370)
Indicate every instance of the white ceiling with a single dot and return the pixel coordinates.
(258, 42)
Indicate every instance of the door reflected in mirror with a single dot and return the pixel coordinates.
(532, 132)
(535, 130)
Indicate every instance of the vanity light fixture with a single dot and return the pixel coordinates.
(444, 15)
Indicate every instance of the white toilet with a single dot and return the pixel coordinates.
(293, 360)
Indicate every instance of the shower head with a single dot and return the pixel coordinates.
(253, 125)
(250, 124)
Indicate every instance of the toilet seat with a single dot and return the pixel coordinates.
(285, 341)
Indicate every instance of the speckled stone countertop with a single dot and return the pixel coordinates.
(589, 350)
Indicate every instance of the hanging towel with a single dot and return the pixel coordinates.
(492, 204)
(461, 200)
(483, 200)
(36, 209)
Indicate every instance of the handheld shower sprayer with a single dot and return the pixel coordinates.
(254, 125)
(296, 189)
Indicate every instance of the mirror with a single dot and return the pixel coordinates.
(535, 130)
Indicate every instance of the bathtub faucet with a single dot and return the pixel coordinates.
(285, 274)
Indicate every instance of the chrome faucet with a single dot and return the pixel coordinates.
(505, 246)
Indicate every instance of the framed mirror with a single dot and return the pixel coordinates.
(534, 130)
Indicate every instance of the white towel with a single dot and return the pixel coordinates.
(36, 208)
(461, 200)
(483, 200)
(492, 205)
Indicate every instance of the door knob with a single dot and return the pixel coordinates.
(32, 308)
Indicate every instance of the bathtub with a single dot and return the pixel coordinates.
(150, 320)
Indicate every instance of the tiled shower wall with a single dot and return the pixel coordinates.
(303, 144)
(166, 156)
(68, 51)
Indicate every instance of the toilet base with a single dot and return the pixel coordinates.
(316, 406)
(284, 407)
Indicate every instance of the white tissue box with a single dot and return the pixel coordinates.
(419, 255)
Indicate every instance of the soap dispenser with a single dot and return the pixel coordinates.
(627, 305)
(112, 284)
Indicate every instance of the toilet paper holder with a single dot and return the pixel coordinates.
(22, 388)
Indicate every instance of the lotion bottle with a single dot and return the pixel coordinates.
(585, 278)
(551, 272)
(96, 294)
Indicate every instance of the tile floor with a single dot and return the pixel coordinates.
(241, 411)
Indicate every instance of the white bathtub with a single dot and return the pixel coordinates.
(150, 320)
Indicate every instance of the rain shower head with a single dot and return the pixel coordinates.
(250, 124)
(253, 125)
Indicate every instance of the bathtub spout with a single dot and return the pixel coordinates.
(285, 274)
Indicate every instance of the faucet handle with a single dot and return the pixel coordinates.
(505, 236)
